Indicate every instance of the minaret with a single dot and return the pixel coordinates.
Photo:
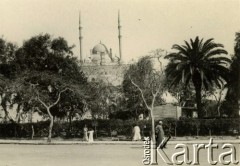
(80, 38)
(119, 37)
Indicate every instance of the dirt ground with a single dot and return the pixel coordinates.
(87, 155)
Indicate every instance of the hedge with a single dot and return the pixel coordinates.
(107, 128)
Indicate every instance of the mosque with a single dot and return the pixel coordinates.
(101, 64)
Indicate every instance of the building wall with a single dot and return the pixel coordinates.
(166, 111)
(112, 74)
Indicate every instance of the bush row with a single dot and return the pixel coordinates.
(107, 128)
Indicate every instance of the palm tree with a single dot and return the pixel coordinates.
(199, 62)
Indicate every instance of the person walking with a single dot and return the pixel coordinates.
(90, 138)
(85, 133)
(136, 133)
(159, 133)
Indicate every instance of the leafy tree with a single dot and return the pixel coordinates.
(218, 95)
(140, 72)
(7, 51)
(103, 100)
(231, 106)
(47, 74)
(71, 105)
(181, 92)
(7, 70)
(42, 76)
(134, 102)
(199, 62)
(148, 80)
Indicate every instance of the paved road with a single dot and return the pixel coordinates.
(83, 154)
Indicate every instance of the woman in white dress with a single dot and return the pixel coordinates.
(85, 133)
(136, 133)
(90, 132)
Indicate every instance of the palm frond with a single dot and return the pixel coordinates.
(188, 45)
(175, 56)
(215, 52)
(180, 49)
(205, 83)
(200, 44)
(207, 48)
(219, 59)
(175, 81)
(207, 42)
(196, 44)
(188, 78)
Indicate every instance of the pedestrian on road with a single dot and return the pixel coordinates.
(136, 133)
(90, 138)
(159, 133)
(85, 133)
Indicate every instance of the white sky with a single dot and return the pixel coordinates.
(146, 24)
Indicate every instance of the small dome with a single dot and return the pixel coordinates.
(99, 48)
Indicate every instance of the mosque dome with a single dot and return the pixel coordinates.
(99, 48)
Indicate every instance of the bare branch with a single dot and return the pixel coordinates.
(45, 105)
(160, 63)
(36, 108)
(59, 96)
(144, 100)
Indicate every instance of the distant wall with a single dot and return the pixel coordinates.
(107, 73)
(165, 111)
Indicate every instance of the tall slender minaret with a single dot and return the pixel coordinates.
(119, 37)
(80, 38)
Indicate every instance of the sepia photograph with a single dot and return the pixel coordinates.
(119, 82)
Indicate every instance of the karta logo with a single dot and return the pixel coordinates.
(224, 158)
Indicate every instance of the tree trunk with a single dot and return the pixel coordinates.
(70, 124)
(199, 103)
(153, 139)
(49, 113)
(153, 127)
(218, 110)
(6, 117)
(17, 119)
(50, 126)
(33, 132)
(30, 115)
(197, 82)
(95, 128)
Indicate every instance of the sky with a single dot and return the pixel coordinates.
(146, 24)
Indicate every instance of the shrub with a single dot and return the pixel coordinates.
(182, 127)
